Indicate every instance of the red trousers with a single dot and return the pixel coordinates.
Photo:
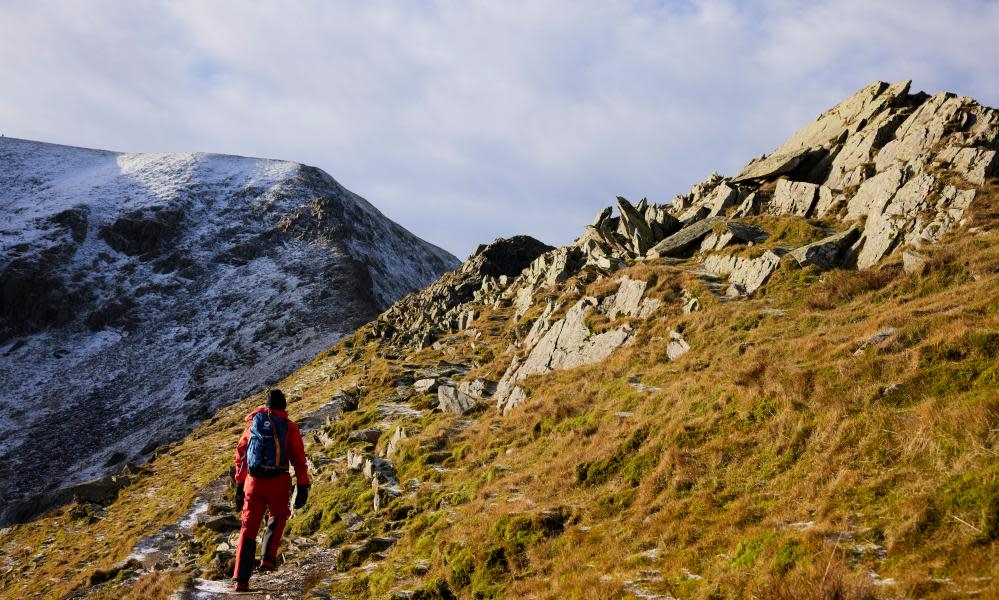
(273, 494)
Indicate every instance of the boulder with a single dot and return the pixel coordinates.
(677, 345)
(451, 399)
(827, 252)
(773, 165)
(684, 240)
(393, 444)
(478, 388)
(425, 386)
(368, 436)
(731, 232)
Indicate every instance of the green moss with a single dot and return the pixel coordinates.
(788, 555)
(748, 552)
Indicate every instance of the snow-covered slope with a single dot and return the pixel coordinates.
(138, 292)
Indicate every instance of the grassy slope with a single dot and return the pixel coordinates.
(768, 420)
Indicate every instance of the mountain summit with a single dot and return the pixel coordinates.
(140, 292)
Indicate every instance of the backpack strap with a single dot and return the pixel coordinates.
(277, 442)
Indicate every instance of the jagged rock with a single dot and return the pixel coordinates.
(974, 164)
(369, 436)
(609, 239)
(851, 165)
(566, 344)
(451, 399)
(875, 193)
(851, 115)
(355, 460)
(925, 128)
(419, 319)
(627, 300)
(634, 228)
(516, 398)
(690, 303)
(731, 232)
(798, 198)
(883, 228)
(721, 198)
(746, 273)
(750, 205)
(677, 345)
(425, 386)
(478, 388)
(393, 445)
(827, 252)
(773, 165)
(685, 239)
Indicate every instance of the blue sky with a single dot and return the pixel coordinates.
(466, 121)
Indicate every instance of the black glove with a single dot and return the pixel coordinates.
(301, 495)
(239, 498)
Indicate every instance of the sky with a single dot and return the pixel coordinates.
(466, 121)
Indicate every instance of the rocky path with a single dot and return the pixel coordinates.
(295, 579)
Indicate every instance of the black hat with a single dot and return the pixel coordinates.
(276, 400)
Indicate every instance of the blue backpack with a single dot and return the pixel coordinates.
(266, 454)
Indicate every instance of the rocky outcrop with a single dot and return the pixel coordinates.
(568, 342)
(879, 154)
(610, 239)
(745, 274)
(419, 319)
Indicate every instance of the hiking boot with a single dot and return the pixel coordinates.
(240, 586)
(267, 564)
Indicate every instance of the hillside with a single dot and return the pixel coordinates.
(780, 385)
(141, 292)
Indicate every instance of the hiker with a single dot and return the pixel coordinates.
(270, 443)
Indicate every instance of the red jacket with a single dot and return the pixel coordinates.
(295, 447)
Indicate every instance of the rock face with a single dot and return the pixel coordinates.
(140, 292)
(419, 319)
(569, 342)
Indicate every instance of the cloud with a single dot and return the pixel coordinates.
(472, 120)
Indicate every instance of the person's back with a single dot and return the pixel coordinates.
(270, 443)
